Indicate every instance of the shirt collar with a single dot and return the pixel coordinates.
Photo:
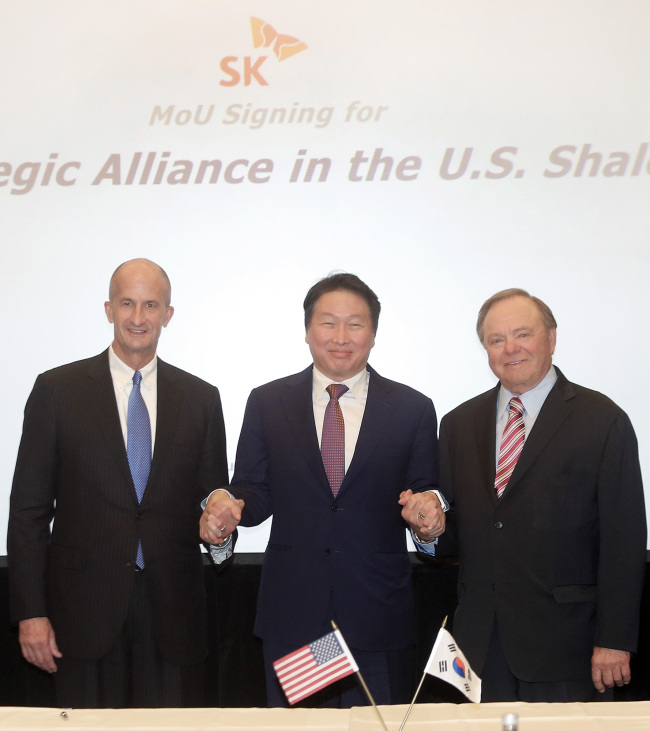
(356, 385)
(122, 374)
(532, 400)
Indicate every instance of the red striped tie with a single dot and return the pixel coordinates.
(332, 446)
(511, 445)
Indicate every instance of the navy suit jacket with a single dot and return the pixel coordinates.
(72, 467)
(343, 556)
(560, 559)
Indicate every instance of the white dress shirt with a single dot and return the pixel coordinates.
(122, 376)
(352, 403)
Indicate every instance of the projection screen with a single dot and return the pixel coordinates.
(440, 150)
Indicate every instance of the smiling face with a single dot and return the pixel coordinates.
(139, 309)
(340, 334)
(519, 346)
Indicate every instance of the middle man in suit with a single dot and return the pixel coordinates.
(329, 463)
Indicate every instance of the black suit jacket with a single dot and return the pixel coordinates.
(345, 556)
(72, 467)
(560, 559)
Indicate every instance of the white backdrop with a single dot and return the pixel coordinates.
(513, 136)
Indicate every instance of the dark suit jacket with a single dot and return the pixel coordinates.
(350, 551)
(72, 453)
(560, 559)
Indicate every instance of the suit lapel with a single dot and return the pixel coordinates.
(102, 410)
(168, 403)
(376, 417)
(485, 436)
(298, 407)
(556, 409)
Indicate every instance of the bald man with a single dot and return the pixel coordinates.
(105, 566)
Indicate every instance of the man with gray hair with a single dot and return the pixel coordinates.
(548, 515)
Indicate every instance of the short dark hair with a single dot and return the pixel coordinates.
(544, 310)
(342, 281)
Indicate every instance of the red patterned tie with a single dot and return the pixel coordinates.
(511, 445)
(332, 446)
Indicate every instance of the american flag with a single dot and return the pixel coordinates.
(314, 666)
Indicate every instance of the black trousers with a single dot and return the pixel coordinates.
(133, 674)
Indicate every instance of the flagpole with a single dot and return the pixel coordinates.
(365, 687)
(410, 708)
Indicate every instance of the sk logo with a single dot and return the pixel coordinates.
(283, 46)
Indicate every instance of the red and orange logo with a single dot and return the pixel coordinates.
(265, 35)
(248, 69)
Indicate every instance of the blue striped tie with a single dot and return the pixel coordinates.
(138, 445)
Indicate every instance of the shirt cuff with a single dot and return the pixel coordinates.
(429, 547)
(443, 501)
(221, 553)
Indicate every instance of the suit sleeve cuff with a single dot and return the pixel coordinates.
(204, 502)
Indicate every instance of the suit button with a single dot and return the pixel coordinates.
(327, 551)
(498, 525)
(335, 508)
(130, 564)
(139, 516)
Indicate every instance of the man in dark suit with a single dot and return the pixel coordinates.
(552, 569)
(336, 551)
(110, 595)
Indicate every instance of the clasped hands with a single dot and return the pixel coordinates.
(424, 514)
(422, 511)
(220, 517)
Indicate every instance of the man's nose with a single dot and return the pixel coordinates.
(137, 314)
